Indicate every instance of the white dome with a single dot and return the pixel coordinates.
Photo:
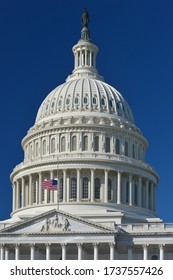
(84, 95)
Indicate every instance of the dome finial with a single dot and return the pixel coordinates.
(85, 35)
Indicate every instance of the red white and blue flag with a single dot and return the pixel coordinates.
(50, 184)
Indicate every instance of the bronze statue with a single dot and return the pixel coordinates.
(85, 18)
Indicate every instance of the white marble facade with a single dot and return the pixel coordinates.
(105, 206)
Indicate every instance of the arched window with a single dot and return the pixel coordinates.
(73, 193)
(44, 147)
(52, 144)
(109, 189)
(117, 146)
(61, 188)
(85, 143)
(126, 149)
(36, 149)
(63, 144)
(96, 143)
(85, 188)
(107, 145)
(74, 143)
(97, 188)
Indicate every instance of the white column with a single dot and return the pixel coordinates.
(14, 196)
(30, 189)
(119, 188)
(90, 62)
(6, 253)
(47, 251)
(95, 251)
(79, 246)
(2, 251)
(161, 247)
(37, 190)
(92, 185)
(23, 192)
(139, 191)
(106, 187)
(130, 190)
(40, 187)
(80, 58)
(51, 192)
(32, 252)
(146, 194)
(64, 185)
(17, 252)
(145, 252)
(129, 252)
(68, 188)
(63, 246)
(112, 251)
(78, 185)
(17, 195)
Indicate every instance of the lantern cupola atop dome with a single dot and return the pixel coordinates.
(85, 53)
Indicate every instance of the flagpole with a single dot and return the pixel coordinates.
(57, 185)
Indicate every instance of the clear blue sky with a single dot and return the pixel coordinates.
(135, 39)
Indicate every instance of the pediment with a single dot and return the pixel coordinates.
(55, 222)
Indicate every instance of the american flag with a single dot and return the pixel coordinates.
(50, 184)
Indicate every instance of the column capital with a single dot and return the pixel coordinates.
(79, 244)
(145, 245)
(112, 244)
(96, 244)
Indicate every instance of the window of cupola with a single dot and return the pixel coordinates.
(85, 143)
(96, 143)
(74, 143)
(97, 188)
(85, 188)
(108, 148)
(73, 189)
(117, 146)
(63, 144)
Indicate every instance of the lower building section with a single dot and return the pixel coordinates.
(85, 251)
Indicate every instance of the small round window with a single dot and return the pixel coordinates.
(94, 100)
(68, 101)
(103, 101)
(53, 103)
(60, 102)
(76, 100)
(110, 103)
(85, 100)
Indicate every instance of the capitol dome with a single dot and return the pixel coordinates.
(85, 137)
(85, 95)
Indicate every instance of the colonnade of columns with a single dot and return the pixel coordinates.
(4, 251)
(115, 187)
(85, 57)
